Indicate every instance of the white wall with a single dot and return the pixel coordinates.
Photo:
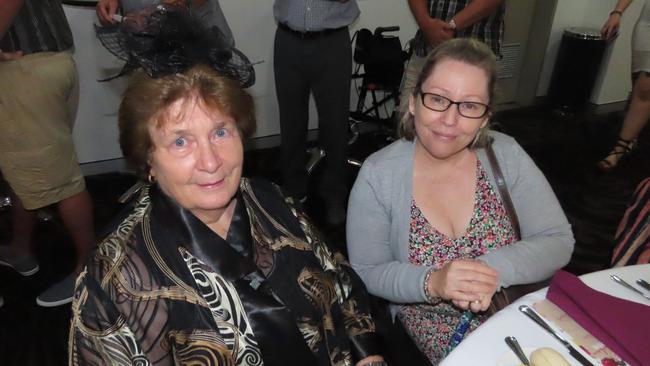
(613, 81)
(253, 26)
(95, 131)
(254, 29)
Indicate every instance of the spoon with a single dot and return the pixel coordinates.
(514, 346)
(643, 284)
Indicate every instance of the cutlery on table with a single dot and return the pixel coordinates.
(620, 281)
(643, 284)
(532, 314)
(514, 346)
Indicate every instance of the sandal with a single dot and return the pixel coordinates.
(621, 149)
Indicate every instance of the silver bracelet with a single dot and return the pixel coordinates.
(430, 298)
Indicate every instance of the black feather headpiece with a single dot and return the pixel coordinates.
(166, 39)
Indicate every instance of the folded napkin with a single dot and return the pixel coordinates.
(623, 326)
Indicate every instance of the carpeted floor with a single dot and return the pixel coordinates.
(566, 150)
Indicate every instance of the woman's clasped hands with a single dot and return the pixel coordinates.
(468, 283)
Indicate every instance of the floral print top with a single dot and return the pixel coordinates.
(432, 325)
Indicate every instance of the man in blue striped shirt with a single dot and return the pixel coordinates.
(313, 55)
(38, 103)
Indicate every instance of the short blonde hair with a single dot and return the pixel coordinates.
(469, 51)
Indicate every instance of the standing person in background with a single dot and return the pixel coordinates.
(639, 110)
(207, 11)
(37, 114)
(440, 20)
(313, 55)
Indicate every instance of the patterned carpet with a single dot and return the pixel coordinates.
(566, 150)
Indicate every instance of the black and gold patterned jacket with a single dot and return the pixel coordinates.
(162, 288)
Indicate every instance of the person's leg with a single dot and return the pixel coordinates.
(41, 164)
(77, 215)
(639, 112)
(331, 72)
(23, 222)
(15, 148)
(635, 119)
(292, 91)
(76, 212)
(73, 201)
(19, 255)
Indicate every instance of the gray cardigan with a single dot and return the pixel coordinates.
(379, 215)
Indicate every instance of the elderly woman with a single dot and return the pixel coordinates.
(206, 267)
(427, 229)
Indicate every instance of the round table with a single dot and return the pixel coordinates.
(485, 346)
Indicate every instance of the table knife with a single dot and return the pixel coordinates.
(643, 284)
(532, 314)
(620, 281)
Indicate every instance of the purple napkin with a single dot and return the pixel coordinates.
(623, 326)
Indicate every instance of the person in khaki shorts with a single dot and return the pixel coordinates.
(38, 103)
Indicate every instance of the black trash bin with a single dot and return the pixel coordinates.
(576, 66)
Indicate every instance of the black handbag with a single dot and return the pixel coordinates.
(508, 295)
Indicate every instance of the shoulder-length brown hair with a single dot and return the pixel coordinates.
(147, 100)
(469, 51)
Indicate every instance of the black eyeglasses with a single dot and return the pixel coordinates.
(439, 103)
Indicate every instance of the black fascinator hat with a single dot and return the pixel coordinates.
(166, 39)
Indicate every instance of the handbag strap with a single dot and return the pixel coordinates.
(503, 189)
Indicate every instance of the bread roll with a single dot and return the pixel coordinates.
(547, 357)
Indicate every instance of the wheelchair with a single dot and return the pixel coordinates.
(382, 58)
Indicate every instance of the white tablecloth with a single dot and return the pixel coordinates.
(485, 346)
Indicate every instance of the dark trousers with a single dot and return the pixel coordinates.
(320, 65)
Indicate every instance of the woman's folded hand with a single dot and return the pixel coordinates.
(467, 283)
